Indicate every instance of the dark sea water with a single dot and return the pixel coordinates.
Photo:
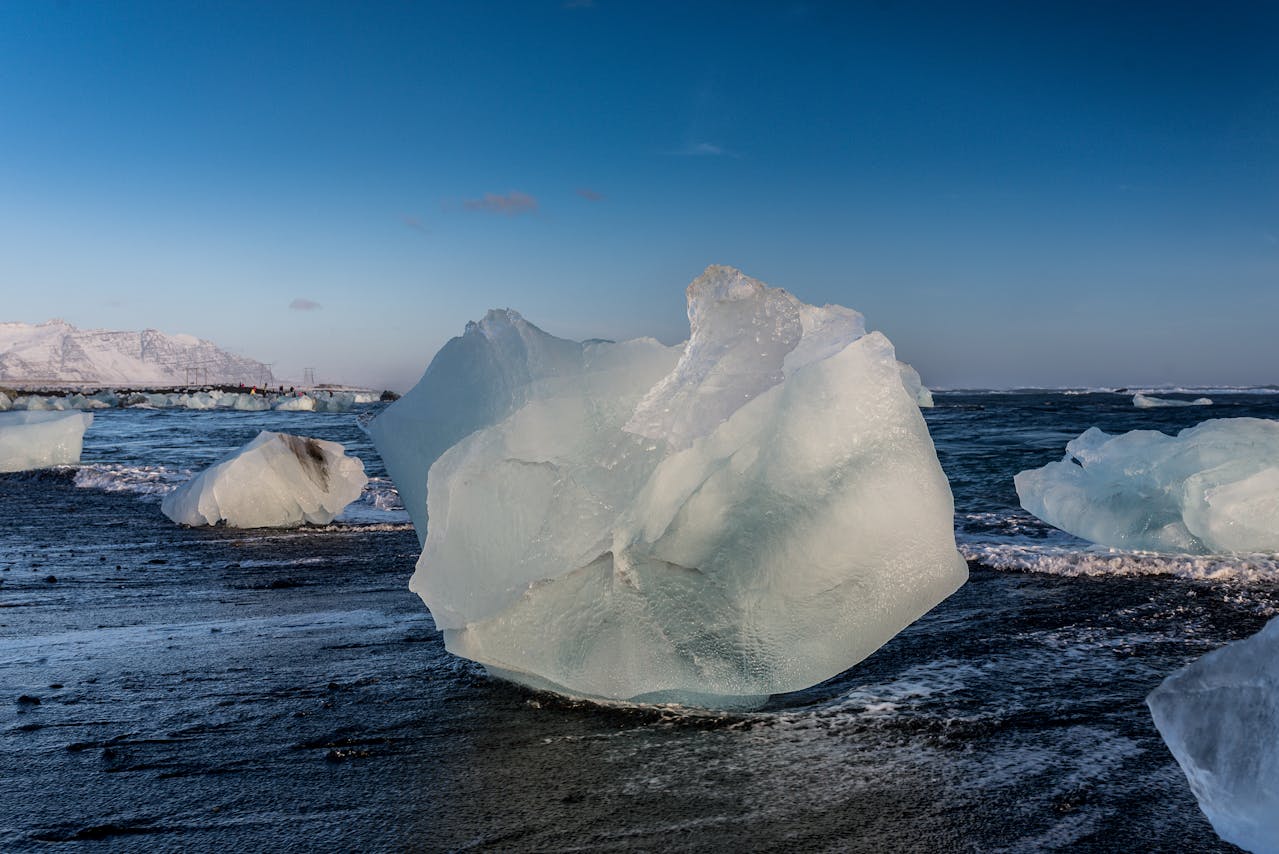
(269, 690)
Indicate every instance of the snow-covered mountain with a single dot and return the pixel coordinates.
(55, 352)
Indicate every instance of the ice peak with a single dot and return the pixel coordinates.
(496, 320)
(745, 338)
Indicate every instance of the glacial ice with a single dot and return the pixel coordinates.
(1143, 401)
(749, 514)
(915, 386)
(1211, 489)
(1220, 718)
(298, 403)
(275, 481)
(33, 440)
(5, 402)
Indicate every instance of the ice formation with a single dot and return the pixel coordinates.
(749, 514)
(915, 386)
(33, 440)
(1210, 489)
(1143, 401)
(5, 402)
(1220, 718)
(275, 481)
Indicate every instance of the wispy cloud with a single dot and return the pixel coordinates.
(301, 304)
(703, 149)
(589, 194)
(509, 204)
(415, 224)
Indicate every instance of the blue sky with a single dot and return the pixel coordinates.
(1020, 193)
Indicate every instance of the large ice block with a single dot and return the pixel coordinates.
(39, 439)
(1220, 718)
(275, 481)
(750, 514)
(1213, 488)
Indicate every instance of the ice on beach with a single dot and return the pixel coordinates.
(33, 440)
(1210, 489)
(299, 403)
(1220, 718)
(749, 514)
(275, 481)
(1144, 401)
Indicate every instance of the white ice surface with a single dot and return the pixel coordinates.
(1211, 489)
(751, 515)
(33, 440)
(275, 481)
(1220, 718)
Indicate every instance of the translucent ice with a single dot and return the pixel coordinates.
(1143, 401)
(750, 514)
(33, 440)
(1220, 718)
(275, 481)
(915, 386)
(296, 403)
(1213, 488)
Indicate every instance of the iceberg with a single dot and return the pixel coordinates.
(751, 513)
(1143, 401)
(1211, 489)
(1220, 718)
(5, 402)
(33, 440)
(275, 481)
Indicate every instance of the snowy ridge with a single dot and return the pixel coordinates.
(57, 352)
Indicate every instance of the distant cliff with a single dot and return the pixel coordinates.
(57, 352)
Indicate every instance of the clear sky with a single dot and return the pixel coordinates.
(1021, 193)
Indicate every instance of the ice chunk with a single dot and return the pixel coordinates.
(275, 481)
(915, 386)
(300, 403)
(1143, 401)
(1213, 488)
(624, 521)
(33, 440)
(1220, 718)
(5, 402)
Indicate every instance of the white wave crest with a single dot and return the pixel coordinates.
(140, 480)
(1095, 560)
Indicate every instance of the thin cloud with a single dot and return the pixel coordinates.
(415, 224)
(704, 149)
(301, 304)
(509, 204)
(589, 194)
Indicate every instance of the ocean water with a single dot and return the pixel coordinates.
(200, 689)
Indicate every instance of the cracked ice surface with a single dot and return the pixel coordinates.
(749, 514)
